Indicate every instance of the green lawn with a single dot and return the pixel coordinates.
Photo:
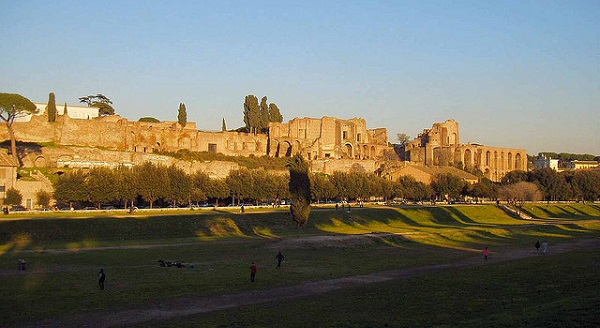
(223, 244)
(546, 291)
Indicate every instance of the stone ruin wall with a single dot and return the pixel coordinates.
(440, 146)
(327, 138)
(116, 133)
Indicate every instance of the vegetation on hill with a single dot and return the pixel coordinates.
(250, 162)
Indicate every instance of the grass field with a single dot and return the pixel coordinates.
(65, 254)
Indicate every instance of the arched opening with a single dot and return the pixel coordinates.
(298, 147)
(487, 158)
(495, 160)
(284, 149)
(40, 161)
(467, 159)
(518, 162)
(348, 151)
(510, 163)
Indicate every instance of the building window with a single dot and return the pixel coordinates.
(358, 137)
(344, 135)
(212, 148)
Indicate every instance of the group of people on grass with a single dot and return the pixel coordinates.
(253, 269)
(543, 246)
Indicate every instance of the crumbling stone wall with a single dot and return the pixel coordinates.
(440, 146)
(327, 138)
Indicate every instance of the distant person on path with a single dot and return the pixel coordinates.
(544, 247)
(253, 272)
(22, 264)
(537, 247)
(280, 259)
(486, 252)
(101, 278)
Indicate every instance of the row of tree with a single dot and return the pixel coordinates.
(567, 157)
(257, 117)
(533, 185)
(151, 183)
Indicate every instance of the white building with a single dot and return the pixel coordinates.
(543, 161)
(78, 112)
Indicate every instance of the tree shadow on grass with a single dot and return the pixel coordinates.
(587, 215)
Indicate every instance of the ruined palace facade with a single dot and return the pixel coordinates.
(327, 138)
(440, 146)
(117, 133)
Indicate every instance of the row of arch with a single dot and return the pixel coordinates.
(494, 160)
(286, 148)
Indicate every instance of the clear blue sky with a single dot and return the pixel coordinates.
(523, 74)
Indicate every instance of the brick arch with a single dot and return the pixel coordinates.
(467, 158)
(284, 149)
(518, 162)
(40, 161)
(349, 150)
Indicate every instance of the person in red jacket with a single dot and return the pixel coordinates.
(486, 252)
(252, 272)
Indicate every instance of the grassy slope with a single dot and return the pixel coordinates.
(225, 244)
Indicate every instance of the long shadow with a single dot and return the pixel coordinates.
(587, 215)
(462, 217)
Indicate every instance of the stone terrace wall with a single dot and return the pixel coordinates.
(116, 133)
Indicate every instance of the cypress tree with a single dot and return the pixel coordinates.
(65, 110)
(299, 187)
(274, 114)
(264, 114)
(251, 113)
(223, 125)
(182, 115)
(51, 108)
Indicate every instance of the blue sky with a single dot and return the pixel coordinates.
(522, 74)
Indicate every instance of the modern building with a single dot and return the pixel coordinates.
(579, 165)
(78, 112)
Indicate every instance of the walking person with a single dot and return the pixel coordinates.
(486, 252)
(537, 247)
(101, 278)
(280, 258)
(544, 247)
(253, 270)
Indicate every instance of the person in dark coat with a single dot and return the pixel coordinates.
(253, 270)
(101, 278)
(280, 258)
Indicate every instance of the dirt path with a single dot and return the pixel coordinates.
(192, 306)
